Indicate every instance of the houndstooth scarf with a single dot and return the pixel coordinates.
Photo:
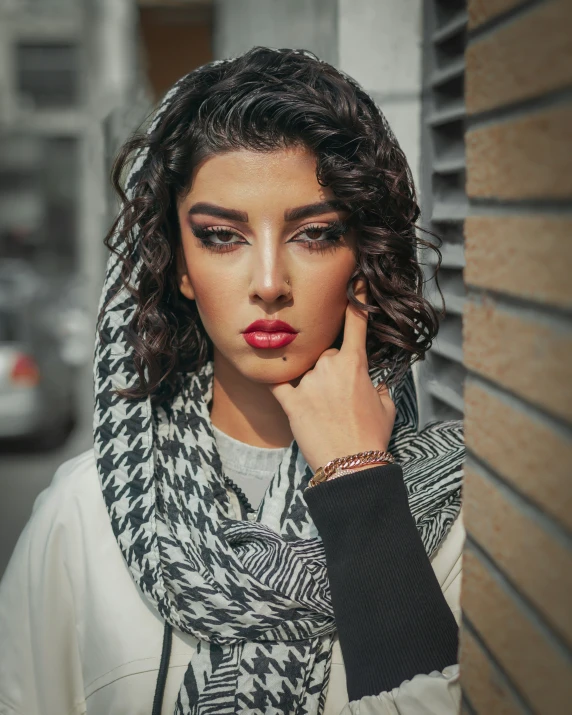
(254, 592)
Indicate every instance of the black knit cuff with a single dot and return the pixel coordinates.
(393, 620)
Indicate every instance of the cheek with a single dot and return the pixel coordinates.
(325, 297)
(214, 293)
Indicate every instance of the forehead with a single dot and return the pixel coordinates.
(284, 177)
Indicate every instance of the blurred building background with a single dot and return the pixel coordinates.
(478, 93)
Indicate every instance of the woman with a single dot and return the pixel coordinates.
(215, 552)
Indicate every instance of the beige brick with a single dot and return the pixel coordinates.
(482, 10)
(500, 68)
(525, 256)
(537, 666)
(486, 689)
(502, 437)
(524, 158)
(536, 562)
(526, 356)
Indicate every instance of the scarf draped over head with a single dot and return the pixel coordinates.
(254, 592)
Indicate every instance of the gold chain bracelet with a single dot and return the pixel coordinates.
(372, 457)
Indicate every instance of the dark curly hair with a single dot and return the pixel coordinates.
(265, 100)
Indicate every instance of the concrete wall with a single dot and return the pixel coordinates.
(380, 46)
(516, 639)
(301, 24)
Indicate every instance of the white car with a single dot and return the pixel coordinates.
(37, 384)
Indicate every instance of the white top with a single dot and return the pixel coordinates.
(79, 638)
(251, 468)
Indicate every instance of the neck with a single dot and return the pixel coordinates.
(247, 410)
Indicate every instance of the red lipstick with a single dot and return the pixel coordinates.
(269, 334)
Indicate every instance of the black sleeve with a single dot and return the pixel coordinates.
(392, 618)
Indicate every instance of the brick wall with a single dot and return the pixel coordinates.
(516, 636)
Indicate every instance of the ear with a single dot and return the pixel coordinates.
(183, 280)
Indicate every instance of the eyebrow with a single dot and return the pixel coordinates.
(301, 212)
(218, 211)
(322, 207)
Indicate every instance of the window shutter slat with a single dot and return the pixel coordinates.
(444, 201)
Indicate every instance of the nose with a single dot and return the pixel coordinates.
(270, 280)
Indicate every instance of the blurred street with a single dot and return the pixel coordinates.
(73, 85)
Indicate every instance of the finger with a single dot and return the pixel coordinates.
(382, 389)
(385, 397)
(330, 352)
(383, 393)
(355, 327)
(283, 392)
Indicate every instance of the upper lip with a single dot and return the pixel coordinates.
(270, 326)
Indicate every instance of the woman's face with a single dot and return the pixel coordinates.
(261, 239)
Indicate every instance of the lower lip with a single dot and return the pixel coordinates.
(262, 339)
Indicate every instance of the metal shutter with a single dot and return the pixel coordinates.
(444, 202)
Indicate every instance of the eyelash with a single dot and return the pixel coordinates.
(333, 231)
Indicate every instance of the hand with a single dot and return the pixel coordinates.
(335, 410)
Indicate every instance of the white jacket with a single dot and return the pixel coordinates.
(77, 636)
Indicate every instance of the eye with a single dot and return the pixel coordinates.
(216, 238)
(314, 233)
(319, 237)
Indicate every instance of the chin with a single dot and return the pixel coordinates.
(275, 370)
(262, 367)
(268, 366)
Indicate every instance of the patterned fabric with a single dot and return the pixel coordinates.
(254, 592)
